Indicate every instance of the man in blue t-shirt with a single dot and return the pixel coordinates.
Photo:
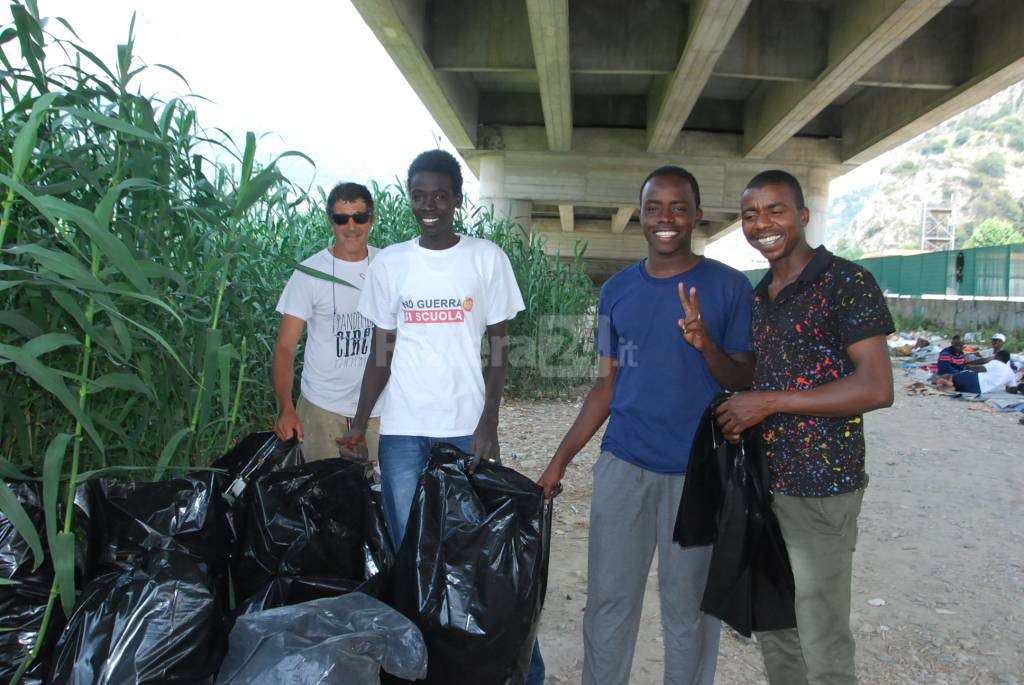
(657, 374)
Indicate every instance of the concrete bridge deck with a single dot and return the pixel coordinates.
(562, 107)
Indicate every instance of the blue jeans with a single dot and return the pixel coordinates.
(402, 460)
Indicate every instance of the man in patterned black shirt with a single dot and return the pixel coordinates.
(819, 327)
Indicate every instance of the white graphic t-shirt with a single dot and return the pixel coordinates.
(337, 336)
(440, 302)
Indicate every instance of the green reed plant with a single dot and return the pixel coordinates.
(141, 258)
(123, 242)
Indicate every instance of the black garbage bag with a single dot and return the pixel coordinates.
(22, 605)
(159, 622)
(187, 513)
(310, 531)
(726, 501)
(331, 641)
(256, 455)
(472, 569)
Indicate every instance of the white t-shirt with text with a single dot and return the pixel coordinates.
(337, 336)
(997, 376)
(440, 302)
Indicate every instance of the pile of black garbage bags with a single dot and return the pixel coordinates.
(271, 569)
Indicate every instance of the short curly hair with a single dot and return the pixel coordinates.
(438, 161)
(678, 172)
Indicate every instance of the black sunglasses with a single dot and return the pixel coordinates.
(358, 217)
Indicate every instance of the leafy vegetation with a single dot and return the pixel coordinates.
(141, 259)
(977, 173)
(994, 231)
(935, 147)
(993, 164)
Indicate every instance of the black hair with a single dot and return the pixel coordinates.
(1003, 356)
(955, 337)
(670, 170)
(349, 192)
(778, 177)
(438, 161)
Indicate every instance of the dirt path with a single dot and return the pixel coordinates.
(941, 542)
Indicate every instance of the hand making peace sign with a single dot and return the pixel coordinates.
(692, 325)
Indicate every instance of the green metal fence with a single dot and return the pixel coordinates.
(986, 272)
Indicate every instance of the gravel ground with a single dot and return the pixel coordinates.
(940, 544)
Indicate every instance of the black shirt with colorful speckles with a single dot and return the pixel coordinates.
(800, 340)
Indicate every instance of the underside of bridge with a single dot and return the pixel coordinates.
(561, 107)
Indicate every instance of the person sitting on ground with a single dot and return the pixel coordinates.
(998, 341)
(951, 359)
(992, 376)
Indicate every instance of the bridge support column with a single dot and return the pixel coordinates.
(492, 194)
(816, 199)
(698, 242)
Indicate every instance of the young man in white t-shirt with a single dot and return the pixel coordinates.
(338, 337)
(432, 299)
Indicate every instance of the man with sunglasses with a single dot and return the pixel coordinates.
(338, 340)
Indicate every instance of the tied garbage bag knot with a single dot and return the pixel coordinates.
(472, 569)
(726, 502)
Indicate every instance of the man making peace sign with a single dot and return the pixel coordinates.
(655, 384)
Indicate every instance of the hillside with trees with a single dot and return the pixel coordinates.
(974, 162)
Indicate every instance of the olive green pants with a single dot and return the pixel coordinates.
(320, 428)
(820, 534)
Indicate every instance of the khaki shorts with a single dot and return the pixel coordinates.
(320, 428)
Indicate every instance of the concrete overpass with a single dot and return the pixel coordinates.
(562, 107)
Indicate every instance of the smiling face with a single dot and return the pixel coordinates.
(772, 221)
(433, 204)
(668, 214)
(350, 238)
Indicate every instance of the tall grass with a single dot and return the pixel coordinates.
(139, 274)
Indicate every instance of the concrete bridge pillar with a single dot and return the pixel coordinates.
(698, 243)
(493, 195)
(816, 198)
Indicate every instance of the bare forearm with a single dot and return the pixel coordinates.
(494, 386)
(593, 414)
(734, 372)
(375, 379)
(282, 376)
(496, 372)
(848, 396)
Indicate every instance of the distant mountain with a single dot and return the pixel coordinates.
(974, 161)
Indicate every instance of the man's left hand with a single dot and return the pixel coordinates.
(484, 445)
(742, 411)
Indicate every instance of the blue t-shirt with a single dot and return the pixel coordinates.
(662, 386)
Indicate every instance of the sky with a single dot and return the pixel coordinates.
(311, 76)
(306, 76)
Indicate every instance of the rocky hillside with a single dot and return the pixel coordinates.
(976, 160)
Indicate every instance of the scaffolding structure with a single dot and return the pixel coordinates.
(938, 230)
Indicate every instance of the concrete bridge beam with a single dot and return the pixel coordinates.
(861, 34)
(712, 23)
(549, 31)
